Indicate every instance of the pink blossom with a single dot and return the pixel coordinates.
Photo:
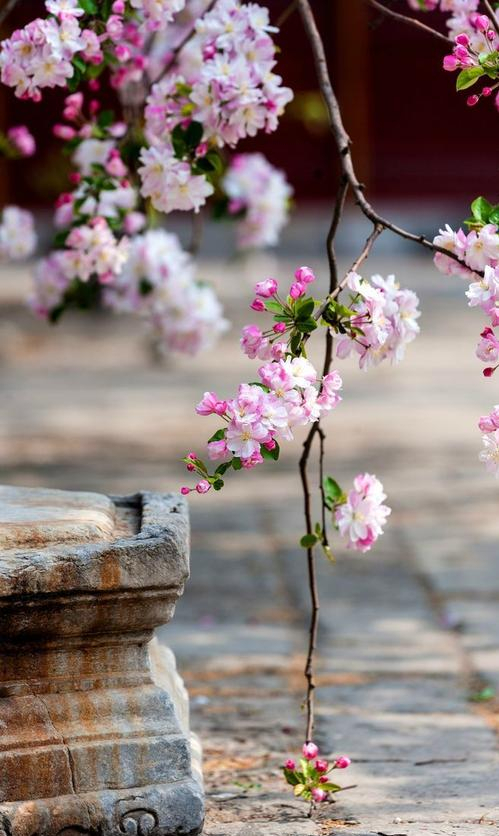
(254, 344)
(218, 451)
(244, 438)
(342, 762)
(305, 275)
(487, 349)
(490, 454)
(318, 794)
(297, 289)
(258, 306)
(321, 765)
(290, 764)
(266, 288)
(362, 516)
(203, 486)
(22, 140)
(310, 750)
(210, 404)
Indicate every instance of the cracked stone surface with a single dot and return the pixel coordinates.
(409, 635)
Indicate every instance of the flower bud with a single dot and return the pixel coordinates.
(304, 275)
(471, 101)
(319, 795)
(266, 289)
(342, 763)
(450, 63)
(185, 490)
(203, 486)
(296, 290)
(481, 22)
(258, 305)
(487, 91)
(462, 39)
(321, 765)
(310, 750)
(279, 328)
(290, 764)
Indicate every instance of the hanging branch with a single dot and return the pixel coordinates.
(7, 9)
(491, 13)
(185, 40)
(410, 21)
(342, 139)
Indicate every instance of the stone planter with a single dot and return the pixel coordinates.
(94, 734)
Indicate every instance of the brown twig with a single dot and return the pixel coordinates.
(410, 21)
(492, 15)
(342, 139)
(5, 12)
(286, 13)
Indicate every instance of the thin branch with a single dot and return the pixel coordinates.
(492, 15)
(314, 592)
(185, 40)
(286, 13)
(342, 139)
(7, 9)
(322, 439)
(410, 21)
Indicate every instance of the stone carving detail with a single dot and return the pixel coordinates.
(88, 729)
(139, 822)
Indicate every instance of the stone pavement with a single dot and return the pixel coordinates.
(410, 634)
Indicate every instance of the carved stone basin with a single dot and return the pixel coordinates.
(94, 732)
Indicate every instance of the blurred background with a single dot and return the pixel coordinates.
(410, 631)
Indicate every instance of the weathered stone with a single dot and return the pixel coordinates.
(93, 721)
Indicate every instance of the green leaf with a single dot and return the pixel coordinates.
(303, 308)
(222, 468)
(236, 463)
(218, 484)
(270, 454)
(328, 553)
(299, 789)
(178, 142)
(481, 209)
(193, 134)
(307, 326)
(494, 216)
(291, 776)
(330, 787)
(216, 161)
(79, 63)
(468, 77)
(486, 694)
(88, 6)
(274, 306)
(145, 287)
(105, 119)
(218, 436)
(295, 342)
(332, 491)
(308, 540)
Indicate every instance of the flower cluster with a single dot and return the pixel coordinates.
(489, 426)
(383, 320)
(221, 90)
(259, 196)
(478, 254)
(476, 259)
(310, 777)
(361, 518)
(157, 13)
(158, 282)
(17, 234)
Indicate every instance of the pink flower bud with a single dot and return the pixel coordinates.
(63, 132)
(481, 22)
(310, 750)
(471, 101)
(318, 795)
(75, 178)
(450, 63)
(290, 764)
(491, 35)
(321, 765)
(258, 305)
(190, 467)
(489, 371)
(279, 328)
(122, 53)
(487, 91)
(270, 445)
(202, 149)
(185, 490)
(304, 275)
(203, 486)
(323, 779)
(94, 85)
(118, 7)
(296, 290)
(462, 39)
(266, 289)
(134, 222)
(342, 763)
(191, 456)
(94, 107)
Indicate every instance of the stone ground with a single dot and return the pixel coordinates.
(410, 634)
